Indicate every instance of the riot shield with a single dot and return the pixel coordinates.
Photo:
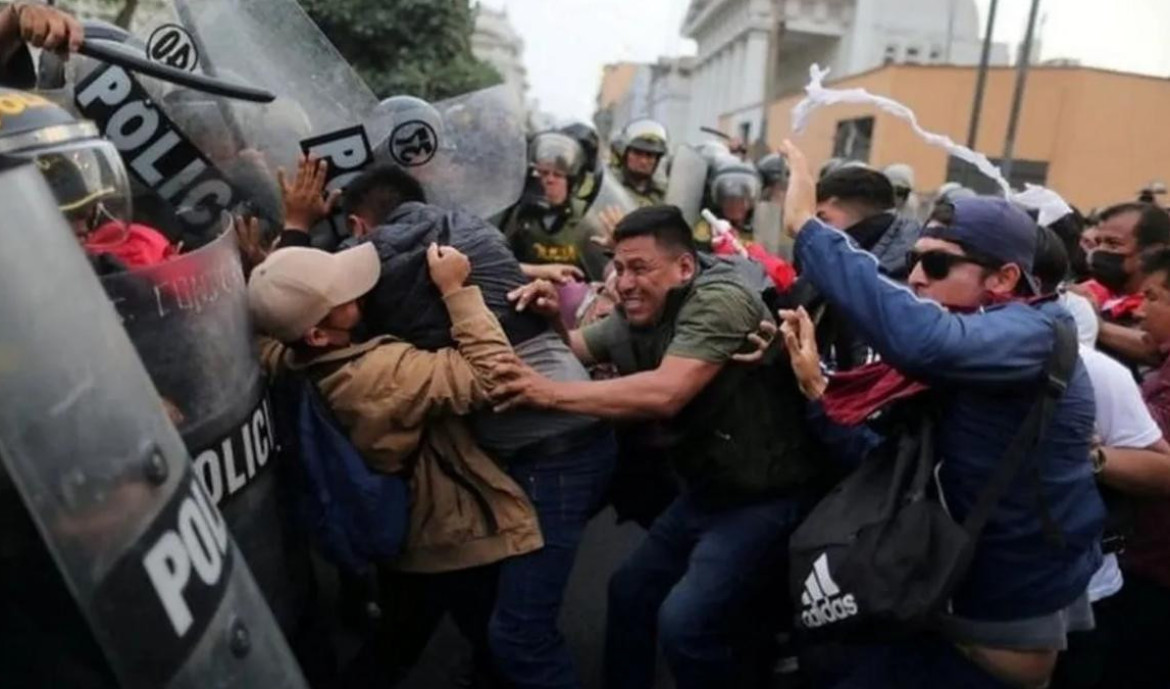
(107, 481)
(188, 320)
(688, 181)
(203, 154)
(474, 156)
(610, 195)
(768, 229)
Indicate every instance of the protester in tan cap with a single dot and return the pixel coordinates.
(402, 408)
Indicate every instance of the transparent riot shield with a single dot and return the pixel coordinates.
(768, 229)
(611, 197)
(688, 180)
(471, 153)
(188, 320)
(107, 481)
(204, 154)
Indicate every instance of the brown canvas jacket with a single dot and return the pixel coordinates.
(402, 407)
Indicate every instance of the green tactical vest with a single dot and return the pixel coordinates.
(653, 196)
(566, 240)
(743, 437)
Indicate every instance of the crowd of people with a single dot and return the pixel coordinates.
(595, 345)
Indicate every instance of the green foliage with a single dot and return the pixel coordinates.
(120, 12)
(415, 47)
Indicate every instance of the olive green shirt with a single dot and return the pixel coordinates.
(712, 324)
(741, 438)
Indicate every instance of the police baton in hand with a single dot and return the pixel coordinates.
(114, 53)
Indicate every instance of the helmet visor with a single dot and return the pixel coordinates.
(647, 136)
(89, 181)
(558, 152)
(736, 185)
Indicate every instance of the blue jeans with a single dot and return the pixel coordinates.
(688, 586)
(566, 490)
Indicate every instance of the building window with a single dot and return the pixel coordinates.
(1023, 172)
(935, 53)
(853, 139)
(912, 55)
(745, 132)
(891, 55)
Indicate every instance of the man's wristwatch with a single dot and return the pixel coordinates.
(1099, 458)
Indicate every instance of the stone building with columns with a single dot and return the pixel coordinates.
(729, 80)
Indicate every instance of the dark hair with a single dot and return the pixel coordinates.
(665, 223)
(1153, 225)
(859, 185)
(1050, 265)
(1070, 226)
(1155, 261)
(379, 190)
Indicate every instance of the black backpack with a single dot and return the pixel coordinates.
(879, 557)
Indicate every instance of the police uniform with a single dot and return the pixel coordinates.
(542, 236)
(651, 195)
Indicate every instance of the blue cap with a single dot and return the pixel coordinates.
(993, 227)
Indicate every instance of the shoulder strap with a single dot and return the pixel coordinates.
(621, 351)
(1058, 371)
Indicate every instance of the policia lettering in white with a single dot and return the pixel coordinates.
(227, 467)
(153, 149)
(198, 541)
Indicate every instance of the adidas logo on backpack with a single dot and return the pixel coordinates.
(822, 599)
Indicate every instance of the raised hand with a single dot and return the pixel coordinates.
(800, 203)
(448, 267)
(305, 202)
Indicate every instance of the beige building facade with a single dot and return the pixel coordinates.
(1094, 136)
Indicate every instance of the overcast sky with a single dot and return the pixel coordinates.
(568, 41)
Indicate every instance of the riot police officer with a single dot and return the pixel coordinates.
(734, 191)
(115, 567)
(546, 233)
(774, 173)
(83, 170)
(901, 176)
(643, 143)
(586, 136)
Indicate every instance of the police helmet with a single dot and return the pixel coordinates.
(773, 169)
(586, 136)
(646, 136)
(712, 151)
(84, 171)
(734, 179)
(416, 129)
(901, 176)
(952, 191)
(559, 152)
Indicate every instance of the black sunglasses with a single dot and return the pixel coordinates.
(938, 264)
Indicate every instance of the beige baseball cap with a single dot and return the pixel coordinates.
(294, 289)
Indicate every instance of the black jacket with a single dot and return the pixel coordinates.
(407, 305)
(888, 238)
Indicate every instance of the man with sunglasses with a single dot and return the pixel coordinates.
(966, 329)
